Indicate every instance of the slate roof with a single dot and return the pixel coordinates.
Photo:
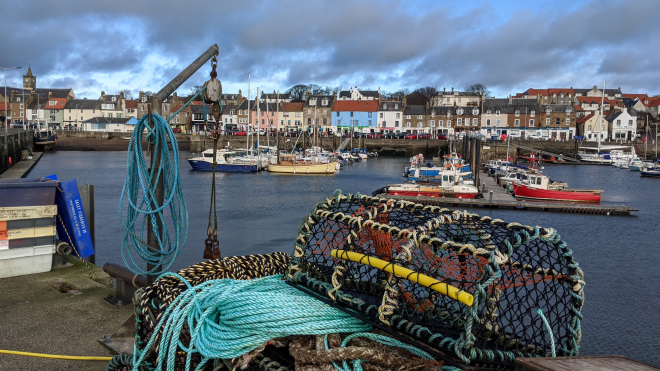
(501, 104)
(458, 93)
(232, 96)
(274, 96)
(390, 105)
(57, 93)
(109, 120)
(293, 107)
(244, 105)
(262, 107)
(319, 98)
(355, 106)
(83, 104)
(442, 110)
(414, 110)
(613, 116)
(199, 108)
(227, 109)
(557, 107)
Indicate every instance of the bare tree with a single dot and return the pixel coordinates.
(194, 89)
(479, 88)
(128, 94)
(297, 92)
(427, 91)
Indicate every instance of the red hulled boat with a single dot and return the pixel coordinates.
(540, 187)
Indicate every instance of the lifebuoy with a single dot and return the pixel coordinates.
(254, 162)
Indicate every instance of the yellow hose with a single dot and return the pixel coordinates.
(424, 280)
(79, 358)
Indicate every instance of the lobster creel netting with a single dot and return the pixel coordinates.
(481, 289)
(152, 301)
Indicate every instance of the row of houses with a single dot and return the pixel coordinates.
(538, 113)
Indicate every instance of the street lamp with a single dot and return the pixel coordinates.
(7, 68)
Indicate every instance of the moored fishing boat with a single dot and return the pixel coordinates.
(45, 137)
(432, 190)
(225, 161)
(292, 164)
(540, 187)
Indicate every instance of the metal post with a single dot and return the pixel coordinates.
(477, 160)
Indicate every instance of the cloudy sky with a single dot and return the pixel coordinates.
(508, 46)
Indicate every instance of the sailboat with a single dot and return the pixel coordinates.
(291, 163)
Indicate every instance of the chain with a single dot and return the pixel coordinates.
(72, 245)
(212, 249)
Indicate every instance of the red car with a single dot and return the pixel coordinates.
(442, 137)
(410, 136)
(241, 133)
(424, 136)
(176, 130)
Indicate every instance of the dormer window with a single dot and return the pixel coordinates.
(144, 99)
(488, 113)
(475, 111)
(548, 110)
(554, 95)
(324, 102)
(396, 106)
(432, 113)
(568, 111)
(52, 102)
(384, 105)
(497, 113)
(562, 95)
(312, 102)
(517, 112)
(114, 99)
(459, 111)
(532, 113)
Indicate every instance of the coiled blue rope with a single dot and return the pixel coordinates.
(139, 191)
(228, 318)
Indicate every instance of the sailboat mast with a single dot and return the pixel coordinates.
(248, 101)
(600, 125)
(258, 112)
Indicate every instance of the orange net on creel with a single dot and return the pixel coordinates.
(452, 265)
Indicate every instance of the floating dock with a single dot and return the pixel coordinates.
(503, 200)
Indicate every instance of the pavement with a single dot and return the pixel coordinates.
(36, 317)
(22, 167)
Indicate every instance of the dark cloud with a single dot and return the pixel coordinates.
(141, 45)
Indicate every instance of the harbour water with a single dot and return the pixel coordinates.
(261, 213)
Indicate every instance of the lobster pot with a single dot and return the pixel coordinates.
(481, 289)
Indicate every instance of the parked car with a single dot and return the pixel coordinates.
(442, 137)
(241, 133)
(410, 136)
(424, 136)
(176, 130)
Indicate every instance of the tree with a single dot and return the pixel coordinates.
(428, 91)
(399, 94)
(194, 89)
(128, 94)
(297, 92)
(476, 88)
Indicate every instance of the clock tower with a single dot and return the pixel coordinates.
(29, 80)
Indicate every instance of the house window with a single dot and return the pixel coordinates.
(408, 117)
(432, 123)
(325, 121)
(396, 106)
(398, 115)
(487, 122)
(532, 113)
(324, 102)
(497, 113)
(459, 122)
(488, 113)
(475, 121)
(299, 116)
(109, 114)
(618, 122)
(419, 117)
(475, 111)
(420, 125)
(568, 122)
(517, 113)
(407, 124)
(547, 122)
(351, 114)
(497, 122)
(177, 120)
(557, 122)
(369, 122)
(531, 123)
(381, 115)
(448, 123)
(52, 102)
(370, 114)
(300, 113)
(142, 108)
(516, 122)
(396, 124)
(629, 122)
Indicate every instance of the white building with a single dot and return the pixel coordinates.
(110, 124)
(389, 116)
(622, 125)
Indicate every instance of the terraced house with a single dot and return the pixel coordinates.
(359, 116)
(390, 113)
(318, 107)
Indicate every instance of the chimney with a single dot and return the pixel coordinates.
(452, 89)
(50, 95)
(444, 89)
(510, 99)
(239, 93)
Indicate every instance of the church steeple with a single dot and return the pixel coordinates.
(29, 80)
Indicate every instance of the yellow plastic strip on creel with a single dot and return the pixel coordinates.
(424, 280)
(41, 355)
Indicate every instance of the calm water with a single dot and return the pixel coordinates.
(261, 213)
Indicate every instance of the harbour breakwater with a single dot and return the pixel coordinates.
(11, 146)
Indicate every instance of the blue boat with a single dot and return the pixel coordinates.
(45, 138)
(226, 162)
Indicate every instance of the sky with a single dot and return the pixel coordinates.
(509, 46)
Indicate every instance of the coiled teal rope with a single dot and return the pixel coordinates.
(228, 318)
(142, 204)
